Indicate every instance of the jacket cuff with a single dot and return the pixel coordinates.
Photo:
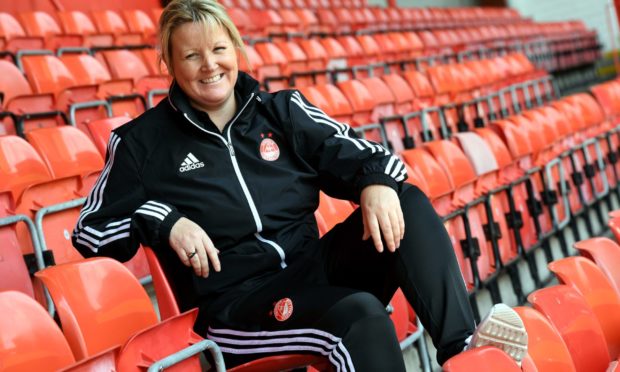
(377, 179)
(166, 225)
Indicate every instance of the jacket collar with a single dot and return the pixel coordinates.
(244, 87)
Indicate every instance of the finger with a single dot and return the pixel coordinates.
(366, 234)
(375, 233)
(395, 229)
(386, 230)
(401, 222)
(200, 262)
(212, 253)
(182, 253)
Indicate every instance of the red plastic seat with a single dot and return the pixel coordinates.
(13, 270)
(20, 166)
(41, 24)
(569, 312)
(68, 152)
(482, 359)
(85, 69)
(584, 276)
(140, 23)
(78, 23)
(96, 317)
(545, 346)
(14, 38)
(100, 130)
(333, 210)
(168, 307)
(30, 340)
(606, 254)
(19, 100)
(110, 22)
(361, 100)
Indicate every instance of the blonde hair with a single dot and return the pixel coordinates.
(208, 12)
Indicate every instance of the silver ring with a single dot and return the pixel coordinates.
(190, 255)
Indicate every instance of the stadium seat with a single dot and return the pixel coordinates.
(13, 269)
(100, 304)
(68, 152)
(606, 254)
(78, 23)
(41, 24)
(20, 100)
(96, 317)
(29, 338)
(334, 210)
(48, 74)
(139, 22)
(545, 344)
(100, 131)
(481, 359)
(110, 22)
(572, 317)
(14, 37)
(168, 308)
(31, 341)
(584, 276)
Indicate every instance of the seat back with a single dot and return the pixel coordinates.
(606, 254)
(125, 64)
(20, 166)
(100, 130)
(47, 74)
(481, 359)
(333, 210)
(67, 151)
(99, 302)
(13, 270)
(159, 341)
(572, 317)
(166, 301)
(85, 68)
(29, 340)
(12, 82)
(546, 346)
(584, 276)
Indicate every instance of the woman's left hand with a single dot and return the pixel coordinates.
(382, 215)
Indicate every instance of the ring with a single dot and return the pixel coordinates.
(190, 255)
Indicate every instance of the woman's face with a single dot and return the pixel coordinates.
(204, 65)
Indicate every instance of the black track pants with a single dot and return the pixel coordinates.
(338, 292)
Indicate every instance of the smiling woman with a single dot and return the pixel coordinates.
(222, 180)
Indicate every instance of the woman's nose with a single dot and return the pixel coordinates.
(208, 63)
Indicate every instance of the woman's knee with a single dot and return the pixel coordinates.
(355, 308)
(412, 198)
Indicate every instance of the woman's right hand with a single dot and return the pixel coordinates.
(186, 237)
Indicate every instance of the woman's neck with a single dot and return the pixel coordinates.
(221, 115)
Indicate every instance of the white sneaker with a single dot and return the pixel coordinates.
(502, 328)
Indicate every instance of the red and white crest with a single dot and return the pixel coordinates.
(283, 309)
(269, 150)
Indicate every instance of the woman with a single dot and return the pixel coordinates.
(222, 180)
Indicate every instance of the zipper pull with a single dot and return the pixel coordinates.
(231, 149)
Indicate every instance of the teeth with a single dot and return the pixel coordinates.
(211, 79)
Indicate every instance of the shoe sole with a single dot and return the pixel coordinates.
(502, 328)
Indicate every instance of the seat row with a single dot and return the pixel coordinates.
(572, 326)
(76, 88)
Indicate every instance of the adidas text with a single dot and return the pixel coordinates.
(190, 167)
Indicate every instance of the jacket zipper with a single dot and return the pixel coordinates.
(244, 187)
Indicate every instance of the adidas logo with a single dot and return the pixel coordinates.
(190, 163)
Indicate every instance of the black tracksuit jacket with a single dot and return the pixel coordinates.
(253, 187)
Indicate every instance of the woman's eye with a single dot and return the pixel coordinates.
(220, 48)
(192, 55)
